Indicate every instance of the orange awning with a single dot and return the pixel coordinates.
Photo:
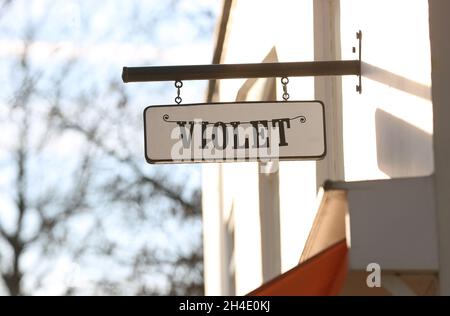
(323, 274)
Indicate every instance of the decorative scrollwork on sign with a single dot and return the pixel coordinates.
(301, 118)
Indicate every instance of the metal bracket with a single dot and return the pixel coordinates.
(261, 70)
(359, 38)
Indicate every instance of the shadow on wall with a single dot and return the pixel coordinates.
(395, 81)
(403, 150)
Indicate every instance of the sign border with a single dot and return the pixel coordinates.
(290, 158)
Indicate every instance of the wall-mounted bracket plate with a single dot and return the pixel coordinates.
(359, 38)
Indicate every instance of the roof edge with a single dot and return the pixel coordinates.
(220, 41)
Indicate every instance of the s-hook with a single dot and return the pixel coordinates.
(284, 82)
(178, 85)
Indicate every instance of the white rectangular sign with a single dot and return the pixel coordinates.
(246, 131)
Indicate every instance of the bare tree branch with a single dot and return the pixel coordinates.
(4, 6)
(91, 135)
(63, 209)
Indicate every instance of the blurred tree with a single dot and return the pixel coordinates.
(78, 197)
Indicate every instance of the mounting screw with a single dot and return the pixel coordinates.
(353, 49)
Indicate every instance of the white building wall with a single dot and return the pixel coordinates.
(255, 28)
(386, 130)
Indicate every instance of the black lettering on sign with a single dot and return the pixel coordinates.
(236, 133)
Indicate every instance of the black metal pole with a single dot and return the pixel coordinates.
(233, 71)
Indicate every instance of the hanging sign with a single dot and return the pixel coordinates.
(246, 131)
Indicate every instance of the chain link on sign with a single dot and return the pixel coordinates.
(284, 82)
(178, 85)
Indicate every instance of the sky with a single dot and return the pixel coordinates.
(102, 37)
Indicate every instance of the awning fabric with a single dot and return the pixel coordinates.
(323, 274)
(324, 267)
